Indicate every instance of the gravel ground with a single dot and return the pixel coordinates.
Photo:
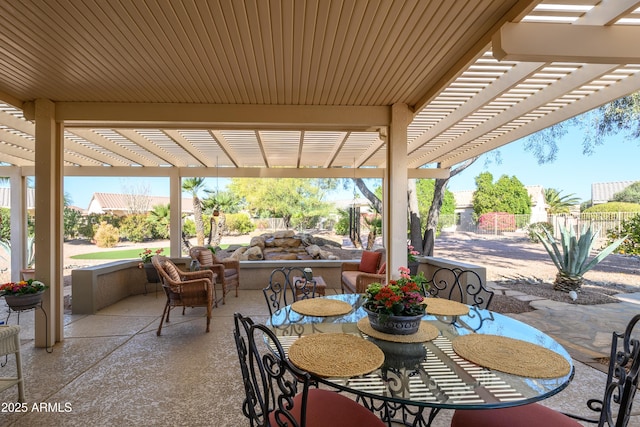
(526, 267)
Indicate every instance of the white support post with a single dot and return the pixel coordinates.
(49, 222)
(175, 201)
(18, 221)
(395, 203)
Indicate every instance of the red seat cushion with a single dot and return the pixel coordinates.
(369, 262)
(328, 408)
(533, 415)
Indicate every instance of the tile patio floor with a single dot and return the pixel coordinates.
(112, 369)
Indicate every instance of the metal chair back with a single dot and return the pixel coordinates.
(464, 286)
(287, 285)
(270, 381)
(622, 379)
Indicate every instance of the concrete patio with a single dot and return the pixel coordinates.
(112, 369)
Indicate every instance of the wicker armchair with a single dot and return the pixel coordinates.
(184, 289)
(227, 270)
(10, 344)
(356, 276)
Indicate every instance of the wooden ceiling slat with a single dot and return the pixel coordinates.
(316, 53)
(351, 22)
(381, 45)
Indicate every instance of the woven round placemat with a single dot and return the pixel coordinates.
(445, 307)
(335, 355)
(426, 332)
(511, 356)
(321, 307)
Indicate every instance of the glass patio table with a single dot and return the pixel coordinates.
(417, 376)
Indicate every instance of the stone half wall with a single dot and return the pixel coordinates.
(285, 245)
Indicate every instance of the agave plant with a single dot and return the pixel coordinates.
(571, 255)
(31, 253)
(6, 245)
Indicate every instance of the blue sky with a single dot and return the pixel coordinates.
(572, 172)
(618, 159)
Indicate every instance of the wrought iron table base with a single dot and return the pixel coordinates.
(393, 413)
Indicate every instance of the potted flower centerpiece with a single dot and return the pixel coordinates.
(24, 294)
(149, 269)
(397, 307)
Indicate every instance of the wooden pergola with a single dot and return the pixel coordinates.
(287, 88)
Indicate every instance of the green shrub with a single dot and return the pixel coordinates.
(5, 224)
(136, 228)
(189, 228)
(341, 226)
(614, 207)
(72, 219)
(631, 229)
(88, 224)
(159, 230)
(239, 223)
(535, 229)
(107, 236)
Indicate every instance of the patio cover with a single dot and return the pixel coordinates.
(388, 89)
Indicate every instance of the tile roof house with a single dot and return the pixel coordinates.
(123, 204)
(602, 192)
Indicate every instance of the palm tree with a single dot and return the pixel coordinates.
(160, 216)
(557, 204)
(193, 186)
(222, 202)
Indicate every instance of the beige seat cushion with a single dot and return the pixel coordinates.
(349, 279)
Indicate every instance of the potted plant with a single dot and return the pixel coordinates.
(30, 272)
(397, 307)
(24, 294)
(149, 269)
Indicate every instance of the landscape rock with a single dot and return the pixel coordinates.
(286, 245)
(257, 241)
(253, 253)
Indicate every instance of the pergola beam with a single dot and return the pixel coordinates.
(282, 117)
(618, 90)
(365, 173)
(607, 12)
(553, 91)
(108, 145)
(543, 42)
(518, 73)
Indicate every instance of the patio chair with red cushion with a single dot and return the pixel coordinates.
(614, 408)
(277, 393)
(356, 276)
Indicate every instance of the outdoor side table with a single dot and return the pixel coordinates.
(321, 285)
